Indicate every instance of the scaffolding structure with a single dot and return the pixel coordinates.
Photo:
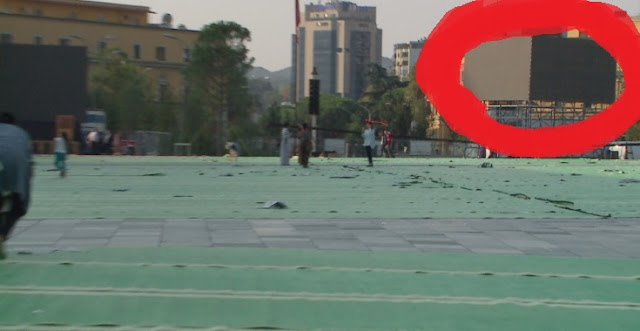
(533, 114)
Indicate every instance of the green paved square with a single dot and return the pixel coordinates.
(215, 288)
(204, 187)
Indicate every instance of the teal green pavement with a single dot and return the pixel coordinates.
(305, 289)
(204, 187)
(177, 288)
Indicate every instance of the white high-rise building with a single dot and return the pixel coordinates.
(405, 57)
(339, 39)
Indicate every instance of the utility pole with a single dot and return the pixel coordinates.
(314, 106)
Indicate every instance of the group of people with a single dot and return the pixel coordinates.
(303, 147)
(99, 142)
(304, 144)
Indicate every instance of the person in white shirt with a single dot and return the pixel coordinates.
(285, 149)
(369, 136)
(60, 144)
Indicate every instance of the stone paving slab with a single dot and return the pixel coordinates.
(619, 238)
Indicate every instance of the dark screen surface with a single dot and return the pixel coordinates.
(39, 82)
(571, 70)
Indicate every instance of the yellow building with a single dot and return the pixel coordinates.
(160, 49)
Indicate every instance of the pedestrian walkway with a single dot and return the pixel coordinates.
(616, 238)
(170, 288)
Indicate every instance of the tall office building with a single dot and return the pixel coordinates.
(339, 39)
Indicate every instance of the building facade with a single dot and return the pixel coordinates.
(339, 39)
(405, 57)
(161, 50)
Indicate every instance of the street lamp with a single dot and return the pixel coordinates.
(185, 91)
(365, 108)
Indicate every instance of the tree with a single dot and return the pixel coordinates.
(420, 107)
(378, 83)
(218, 71)
(396, 111)
(123, 91)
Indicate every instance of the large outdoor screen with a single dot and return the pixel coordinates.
(571, 70)
(39, 82)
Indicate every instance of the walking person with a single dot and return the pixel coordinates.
(389, 141)
(60, 144)
(369, 136)
(285, 149)
(305, 145)
(386, 143)
(16, 170)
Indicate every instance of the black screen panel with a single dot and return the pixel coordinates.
(38, 82)
(571, 70)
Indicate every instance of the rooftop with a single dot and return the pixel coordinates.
(97, 4)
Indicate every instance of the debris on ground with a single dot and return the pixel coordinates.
(157, 174)
(275, 205)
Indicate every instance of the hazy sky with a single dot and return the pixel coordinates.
(272, 22)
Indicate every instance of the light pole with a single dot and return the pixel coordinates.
(314, 106)
(185, 90)
(365, 108)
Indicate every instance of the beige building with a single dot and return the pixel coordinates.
(162, 50)
(339, 39)
(405, 57)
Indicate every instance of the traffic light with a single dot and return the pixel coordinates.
(314, 96)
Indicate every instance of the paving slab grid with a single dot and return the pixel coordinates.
(412, 244)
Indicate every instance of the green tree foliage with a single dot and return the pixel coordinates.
(220, 102)
(396, 111)
(124, 92)
(378, 83)
(420, 107)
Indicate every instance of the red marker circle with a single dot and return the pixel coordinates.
(468, 26)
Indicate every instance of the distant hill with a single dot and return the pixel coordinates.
(277, 78)
(282, 77)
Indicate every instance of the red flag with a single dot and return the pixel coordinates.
(297, 18)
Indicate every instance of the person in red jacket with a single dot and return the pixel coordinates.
(388, 148)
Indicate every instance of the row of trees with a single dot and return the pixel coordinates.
(220, 106)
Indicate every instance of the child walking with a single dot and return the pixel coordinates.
(61, 154)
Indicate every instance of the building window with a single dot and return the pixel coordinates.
(37, 40)
(161, 53)
(137, 51)
(73, 16)
(6, 38)
(37, 12)
(102, 45)
(6, 10)
(186, 55)
(65, 42)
